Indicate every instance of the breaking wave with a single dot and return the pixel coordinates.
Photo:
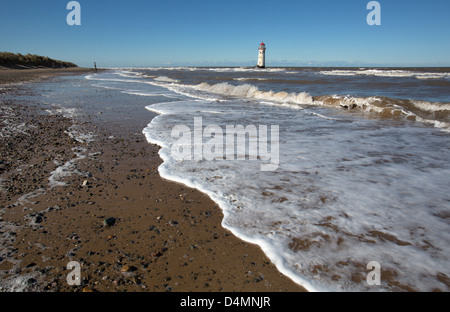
(165, 79)
(435, 113)
(387, 73)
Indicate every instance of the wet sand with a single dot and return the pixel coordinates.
(161, 236)
(9, 75)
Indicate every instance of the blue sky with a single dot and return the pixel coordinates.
(213, 32)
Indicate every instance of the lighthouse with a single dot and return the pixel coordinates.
(261, 56)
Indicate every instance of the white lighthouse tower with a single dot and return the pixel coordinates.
(261, 56)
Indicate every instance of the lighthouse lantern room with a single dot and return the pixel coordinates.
(261, 56)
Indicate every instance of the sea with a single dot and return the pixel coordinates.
(340, 175)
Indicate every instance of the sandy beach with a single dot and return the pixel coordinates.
(9, 75)
(129, 229)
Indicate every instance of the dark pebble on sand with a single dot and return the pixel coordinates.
(173, 222)
(109, 221)
(31, 281)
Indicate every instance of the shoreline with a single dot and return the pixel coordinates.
(12, 75)
(165, 236)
